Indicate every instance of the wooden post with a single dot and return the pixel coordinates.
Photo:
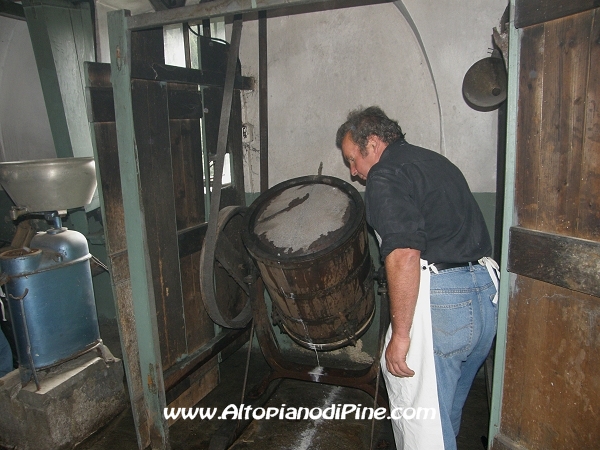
(60, 64)
(147, 397)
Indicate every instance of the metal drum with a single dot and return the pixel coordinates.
(51, 298)
(308, 236)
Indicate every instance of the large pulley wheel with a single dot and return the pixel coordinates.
(224, 267)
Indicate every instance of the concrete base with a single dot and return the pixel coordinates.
(75, 399)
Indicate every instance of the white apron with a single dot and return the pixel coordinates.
(417, 426)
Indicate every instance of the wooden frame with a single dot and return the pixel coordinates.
(170, 344)
(148, 389)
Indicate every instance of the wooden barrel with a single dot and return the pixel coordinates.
(308, 237)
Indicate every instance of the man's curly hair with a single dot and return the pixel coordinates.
(365, 122)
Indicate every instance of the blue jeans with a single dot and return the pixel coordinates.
(464, 321)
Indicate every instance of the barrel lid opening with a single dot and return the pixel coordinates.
(303, 216)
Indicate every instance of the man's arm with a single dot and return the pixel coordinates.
(403, 269)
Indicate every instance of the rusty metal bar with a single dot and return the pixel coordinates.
(263, 101)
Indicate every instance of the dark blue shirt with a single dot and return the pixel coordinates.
(416, 198)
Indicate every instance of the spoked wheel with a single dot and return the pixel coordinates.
(224, 267)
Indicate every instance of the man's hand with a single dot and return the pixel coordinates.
(403, 269)
(395, 357)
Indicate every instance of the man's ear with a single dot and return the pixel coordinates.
(375, 142)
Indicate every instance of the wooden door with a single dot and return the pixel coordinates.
(551, 391)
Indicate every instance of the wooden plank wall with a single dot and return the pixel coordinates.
(558, 127)
(156, 174)
(173, 202)
(552, 385)
(168, 137)
(188, 180)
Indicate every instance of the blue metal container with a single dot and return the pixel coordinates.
(51, 298)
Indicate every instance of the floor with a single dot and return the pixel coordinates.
(289, 434)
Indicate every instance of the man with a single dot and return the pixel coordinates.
(434, 243)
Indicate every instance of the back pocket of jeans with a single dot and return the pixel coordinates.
(452, 328)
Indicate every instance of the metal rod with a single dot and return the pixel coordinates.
(375, 404)
(227, 434)
(206, 28)
(26, 329)
(263, 101)
(186, 45)
(57, 222)
(247, 362)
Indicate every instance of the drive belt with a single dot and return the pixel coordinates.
(210, 240)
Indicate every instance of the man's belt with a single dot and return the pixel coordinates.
(444, 266)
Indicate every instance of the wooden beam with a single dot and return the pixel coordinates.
(104, 139)
(182, 103)
(161, 5)
(179, 376)
(531, 12)
(560, 260)
(164, 72)
(12, 10)
(149, 42)
(62, 35)
(156, 433)
(218, 8)
(502, 442)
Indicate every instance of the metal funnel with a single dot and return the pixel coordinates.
(54, 184)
